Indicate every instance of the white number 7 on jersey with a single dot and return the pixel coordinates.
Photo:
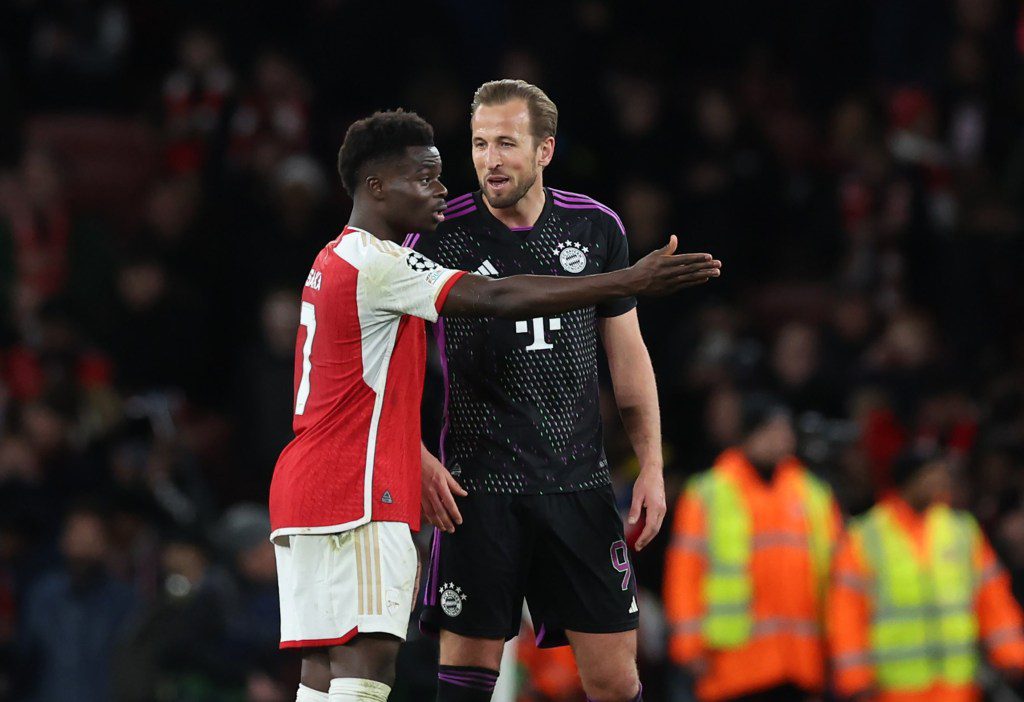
(307, 319)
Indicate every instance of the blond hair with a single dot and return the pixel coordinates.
(543, 113)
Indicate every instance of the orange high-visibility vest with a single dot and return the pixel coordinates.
(786, 579)
(853, 609)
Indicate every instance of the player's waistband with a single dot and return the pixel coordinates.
(512, 484)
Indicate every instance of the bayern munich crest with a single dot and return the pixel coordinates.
(572, 255)
(451, 599)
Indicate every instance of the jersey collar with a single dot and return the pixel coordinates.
(500, 226)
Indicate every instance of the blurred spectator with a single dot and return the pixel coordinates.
(195, 96)
(289, 216)
(78, 52)
(169, 226)
(177, 649)
(748, 567)
(161, 352)
(265, 388)
(648, 207)
(74, 616)
(271, 121)
(46, 249)
(796, 370)
(253, 619)
(917, 593)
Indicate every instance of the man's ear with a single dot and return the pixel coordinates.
(375, 186)
(545, 151)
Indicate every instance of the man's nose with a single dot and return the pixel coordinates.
(492, 159)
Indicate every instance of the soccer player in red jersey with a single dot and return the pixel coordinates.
(345, 495)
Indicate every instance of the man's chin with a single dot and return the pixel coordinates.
(503, 202)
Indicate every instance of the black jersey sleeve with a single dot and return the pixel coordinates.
(618, 258)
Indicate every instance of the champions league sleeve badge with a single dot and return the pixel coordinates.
(572, 255)
(418, 262)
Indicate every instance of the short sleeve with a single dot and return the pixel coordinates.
(617, 259)
(412, 283)
(404, 281)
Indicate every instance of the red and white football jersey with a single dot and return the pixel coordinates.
(359, 364)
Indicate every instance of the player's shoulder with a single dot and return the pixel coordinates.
(361, 249)
(462, 214)
(461, 206)
(459, 212)
(578, 203)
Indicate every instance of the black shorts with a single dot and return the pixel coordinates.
(564, 553)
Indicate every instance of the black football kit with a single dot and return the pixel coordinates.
(522, 433)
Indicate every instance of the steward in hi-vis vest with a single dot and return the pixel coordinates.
(748, 568)
(917, 594)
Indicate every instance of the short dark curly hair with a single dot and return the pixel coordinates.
(381, 135)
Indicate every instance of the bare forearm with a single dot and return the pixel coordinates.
(658, 273)
(637, 397)
(538, 295)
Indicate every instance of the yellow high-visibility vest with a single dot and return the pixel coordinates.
(728, 584)
(923, 626)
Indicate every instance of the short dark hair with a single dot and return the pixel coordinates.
(758, 408)
(543, 113)
(381, 135)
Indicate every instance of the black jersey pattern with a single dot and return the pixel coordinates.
(522, 414)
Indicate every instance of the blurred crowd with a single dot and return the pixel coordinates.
(166, 177)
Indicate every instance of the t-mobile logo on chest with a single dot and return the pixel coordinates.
(538, 325)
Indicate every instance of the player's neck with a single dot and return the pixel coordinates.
(371, 222)
(524, 213)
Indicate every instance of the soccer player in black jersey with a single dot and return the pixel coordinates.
(522, 441)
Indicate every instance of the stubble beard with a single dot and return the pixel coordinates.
(512, 198)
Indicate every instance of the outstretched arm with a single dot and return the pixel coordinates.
(659, 273)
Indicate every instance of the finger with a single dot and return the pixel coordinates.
(440, 514)
(646, 535)
(669, 247)
(687, 281)
(698, 268)
(682, 285)
(689, 258)
(636, 505)
(443, 522)
(454, 486)
(432, 518)
(696, 272)
(450, 508)
(658, 520)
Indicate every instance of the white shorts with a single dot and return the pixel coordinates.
(334, 586)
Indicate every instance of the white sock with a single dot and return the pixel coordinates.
(308, 694)
(357, 690)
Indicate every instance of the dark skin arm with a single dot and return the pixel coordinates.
(661, 272)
